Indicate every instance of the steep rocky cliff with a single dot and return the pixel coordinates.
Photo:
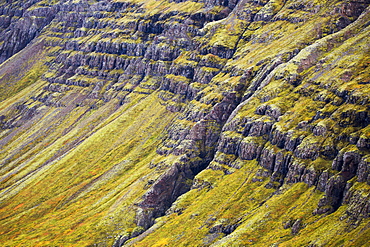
(184, 123)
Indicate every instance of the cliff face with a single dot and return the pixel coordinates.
(181, 123)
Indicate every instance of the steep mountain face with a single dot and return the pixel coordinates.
(184, 123)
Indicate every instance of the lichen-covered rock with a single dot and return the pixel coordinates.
(161, 195)
(213, 121)
(333, 195)
(363, 171)
(21, 25)
(296, 226)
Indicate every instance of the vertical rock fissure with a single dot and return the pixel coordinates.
(175, 182)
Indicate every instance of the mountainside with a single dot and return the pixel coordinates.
(184, 123)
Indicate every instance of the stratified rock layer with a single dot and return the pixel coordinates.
(181, 123)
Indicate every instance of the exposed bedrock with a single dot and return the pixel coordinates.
(283, 84)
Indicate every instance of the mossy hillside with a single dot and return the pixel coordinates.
(227, 83)
(31, 77)
(100, 169)
(23, 70)
(274, 37)
(153, 7)
(341, 228)
(42, 141)
(223, 162)
(269, 219)
(212, 60)
(26, 87)
(346, 63)
(306, 105)
(87, 183)
(323, 231)
(331, 76)
(200, 207)
(306, 100)
(232, 206)
(177, 81)
(227, 33)
(112, 37)
(211, 94)
(263, 223)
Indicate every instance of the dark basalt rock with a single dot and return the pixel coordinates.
(363, 171)
(347, 163)
(163, 53)
(226, 229)
(333, 195)
(297, 225)
(22, 31)
(163, 193)
(250, 149)
(358, 204)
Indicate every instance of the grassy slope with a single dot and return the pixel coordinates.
(235, 199)
(75, 167)
(22, 70)
(84, 187)
(72, 178)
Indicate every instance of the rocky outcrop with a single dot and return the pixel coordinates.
(163, 193)
(22, 24)
(282, 84)
(286, 155)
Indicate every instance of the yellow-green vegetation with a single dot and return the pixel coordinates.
(253, 130)
(227, 35)
(81, 180)
(22, 71)
(235, 200)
